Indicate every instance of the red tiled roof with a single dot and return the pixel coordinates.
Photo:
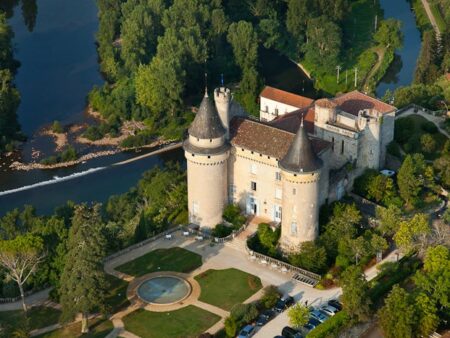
(325, 103)
(285, 97)
(355, 101)
(266, 139)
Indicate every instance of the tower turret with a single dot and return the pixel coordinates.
(222, 98)
(207, 152)
(300, 171)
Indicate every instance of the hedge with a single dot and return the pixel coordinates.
(331, 327)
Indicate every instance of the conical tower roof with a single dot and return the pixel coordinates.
(207, 124)
(301, 157)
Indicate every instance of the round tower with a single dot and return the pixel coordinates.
(207, 152)
(222, 98)
(300, 176)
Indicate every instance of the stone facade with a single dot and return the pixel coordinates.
(275, 170)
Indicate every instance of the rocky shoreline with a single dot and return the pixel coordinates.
(16, 165)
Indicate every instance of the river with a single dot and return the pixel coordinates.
(59, 67)
(401, 71)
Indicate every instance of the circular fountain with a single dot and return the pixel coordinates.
(164, 290)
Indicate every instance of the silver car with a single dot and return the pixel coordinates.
(329, 310)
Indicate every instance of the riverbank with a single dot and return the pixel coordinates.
(166, 146)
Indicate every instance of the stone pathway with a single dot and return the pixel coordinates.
(38, 298)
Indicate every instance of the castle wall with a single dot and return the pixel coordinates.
(301, 198)
(207, 188)
(245, 167)
(344, 145)
(387, 135)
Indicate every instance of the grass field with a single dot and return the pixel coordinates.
(187, 322)
(98, 328)
(173, 259)
(225, 288)
(440, 21)
(38, 317)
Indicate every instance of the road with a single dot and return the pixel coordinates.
(426, 5)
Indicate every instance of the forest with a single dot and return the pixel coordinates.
(154, 53)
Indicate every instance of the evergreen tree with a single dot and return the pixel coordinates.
(409, 181)
(389, 219)
(83, 283)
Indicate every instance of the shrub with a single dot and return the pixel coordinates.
(244, 313)
(93, 133)
(402, 129)
(232, 214)
(332, 326)
(394, 149)
(57, 128)
(311, 257)
(429, 127)
(230, 327)
(270, 296)
(361, 185)
(221, 231)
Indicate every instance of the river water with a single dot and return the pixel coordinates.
(401, 72)
(59, 67)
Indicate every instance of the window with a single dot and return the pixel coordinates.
(278, 193)
(276, 111)
(267, 108)
(195, 208)
(277, 213)
(294, 191)
(294, 228)
(253, 186)
(278, 176)
(342, 147)
(253, 168)
(332, 144)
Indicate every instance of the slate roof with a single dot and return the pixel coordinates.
(266, 139)
(207, 124)
(301, 157)
(288, 98)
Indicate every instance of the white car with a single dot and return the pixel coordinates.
(329, 310)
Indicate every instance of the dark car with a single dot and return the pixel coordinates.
(289, 332)
(312, 324)
(335, 303)
(284, 303)
(264, 317)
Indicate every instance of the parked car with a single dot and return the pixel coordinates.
(320, 316)
(264, 317)
(247, 331)
(284, 303)
(312, 324)
(335, 303)
(289, 332)
(329, 310)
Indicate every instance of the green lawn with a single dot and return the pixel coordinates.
(173, 259)
(99, 328)
(116, 298)
(187, 322)
(38, 317)
(225, 288)
(440, 21)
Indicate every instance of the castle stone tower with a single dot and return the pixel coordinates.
(300, 175)
(222, 98)
(207, 151)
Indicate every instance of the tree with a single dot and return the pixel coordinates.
(312, 257)
(409, 181)
(389, 219)
(428, 320)
(244, 41)
(297, 15)
(378, 243)
(434, 280)
(56, 127)
(355, 290)
(20, 257)
(389, 34)
(324, 40)
(428, 143)
(412, 234)
(298, 315)
(83, 284)
(270, 296)
(397, 315)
